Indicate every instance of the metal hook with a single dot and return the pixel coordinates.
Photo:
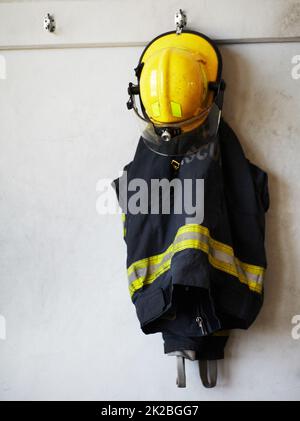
(180, 21)
(49, 23)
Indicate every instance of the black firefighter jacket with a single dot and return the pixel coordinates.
(195, 281)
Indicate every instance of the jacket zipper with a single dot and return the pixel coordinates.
(200, 322)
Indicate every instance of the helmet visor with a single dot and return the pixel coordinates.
(181, 138)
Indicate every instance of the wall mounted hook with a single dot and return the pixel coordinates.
(180, 21)
(49, 23)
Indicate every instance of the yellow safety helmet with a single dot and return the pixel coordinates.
(179, 81)
(174, 85)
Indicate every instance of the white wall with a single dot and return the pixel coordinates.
(72, 332)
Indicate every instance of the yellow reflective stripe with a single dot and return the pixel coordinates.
(152, 260)
(256, 270)
(156, 259)
(155, 109)
(176, 109)
(225, 267)
(149, 270)
(218, 264)
(232, 270)
(124, 220)
(222, 247)
(204, 230)
(193, 228)
(145, 280)
(191, 244)
(192, 236)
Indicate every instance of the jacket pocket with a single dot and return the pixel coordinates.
(150, 305)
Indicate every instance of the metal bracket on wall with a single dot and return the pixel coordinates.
(49, 23)
(180, 21)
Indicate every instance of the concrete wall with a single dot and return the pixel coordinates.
(71, 330)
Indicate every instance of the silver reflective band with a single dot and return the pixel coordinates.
(193, 236)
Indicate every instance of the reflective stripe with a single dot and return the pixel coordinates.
(124, 227)
(192, 236)
(176, 109)
(155, 109)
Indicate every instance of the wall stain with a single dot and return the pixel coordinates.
(290, 21)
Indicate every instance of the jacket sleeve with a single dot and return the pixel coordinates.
(247, 200)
